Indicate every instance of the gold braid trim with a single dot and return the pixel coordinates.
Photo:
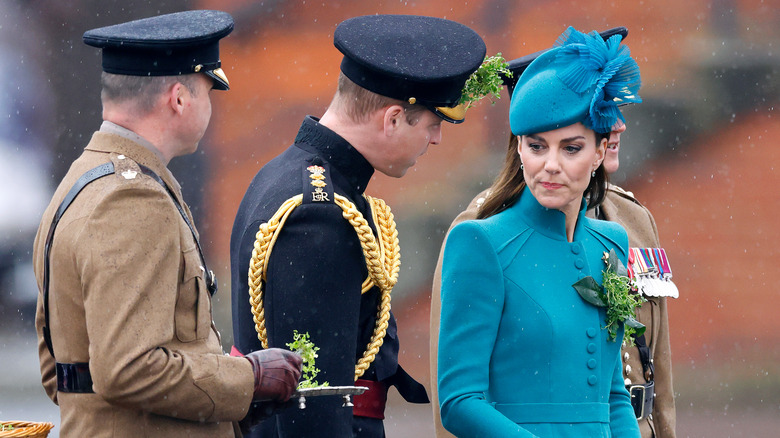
(383, 261)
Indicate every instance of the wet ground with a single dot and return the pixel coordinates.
(22, 398)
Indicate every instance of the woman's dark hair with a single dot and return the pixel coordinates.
(510, 183)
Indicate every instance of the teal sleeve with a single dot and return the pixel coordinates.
(472, 298)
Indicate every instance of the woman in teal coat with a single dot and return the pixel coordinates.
(520, 352)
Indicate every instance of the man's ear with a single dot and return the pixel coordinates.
(393, 117)
(176, 97)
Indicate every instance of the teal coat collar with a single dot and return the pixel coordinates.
(549, 222)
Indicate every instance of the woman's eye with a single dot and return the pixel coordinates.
(535, 146)
(572, 149)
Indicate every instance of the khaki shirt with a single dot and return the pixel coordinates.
(127, 295)
(619, 206)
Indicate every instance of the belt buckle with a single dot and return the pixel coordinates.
(637, 393)
(211, 282)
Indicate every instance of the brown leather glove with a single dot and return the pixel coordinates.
(276, 373)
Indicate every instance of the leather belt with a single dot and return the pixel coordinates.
(642, 398)
(74, 377)
(371, 403)
(643, 395)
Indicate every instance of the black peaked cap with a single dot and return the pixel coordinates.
(411, 58)
(165, 45)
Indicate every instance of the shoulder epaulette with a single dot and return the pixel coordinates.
(316, 182)
(623, 193)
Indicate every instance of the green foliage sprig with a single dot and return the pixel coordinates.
(302, 345)
(6, 427)
(616, 296)
(486, 81)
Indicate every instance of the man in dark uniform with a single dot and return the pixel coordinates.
(324, 263)
(126, 340)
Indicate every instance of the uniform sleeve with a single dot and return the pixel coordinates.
(664, 411)
(46, 361)
(664, 417)
(472, 298)
(145, 352)
(315, 273)
(48, 373)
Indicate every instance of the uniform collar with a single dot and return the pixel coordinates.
(549, 222)
(113, 128)
(331, 147)
(112, 138)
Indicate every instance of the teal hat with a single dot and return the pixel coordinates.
(583, 78)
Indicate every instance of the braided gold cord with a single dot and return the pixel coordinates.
(258, 264)
(383, 261)
(385, 220)
(390, 259)
(367, 285)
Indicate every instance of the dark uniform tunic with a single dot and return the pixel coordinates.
(314, 279)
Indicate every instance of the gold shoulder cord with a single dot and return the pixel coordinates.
(383, 260)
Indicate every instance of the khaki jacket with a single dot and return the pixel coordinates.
(619, 206)
(127, 295)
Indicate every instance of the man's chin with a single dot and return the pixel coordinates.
(395, 172)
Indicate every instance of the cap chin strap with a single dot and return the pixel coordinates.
(383, 260)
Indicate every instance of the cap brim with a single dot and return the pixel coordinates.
(220, 79)
(456, 114)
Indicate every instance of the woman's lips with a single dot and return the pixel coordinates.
(551, 186)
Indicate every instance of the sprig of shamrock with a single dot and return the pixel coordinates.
(616, 296)
(302, 345)
(486, 81)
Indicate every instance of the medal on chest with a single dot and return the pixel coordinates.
(651, 272)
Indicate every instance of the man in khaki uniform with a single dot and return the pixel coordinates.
(621, 207)
(127, 344)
